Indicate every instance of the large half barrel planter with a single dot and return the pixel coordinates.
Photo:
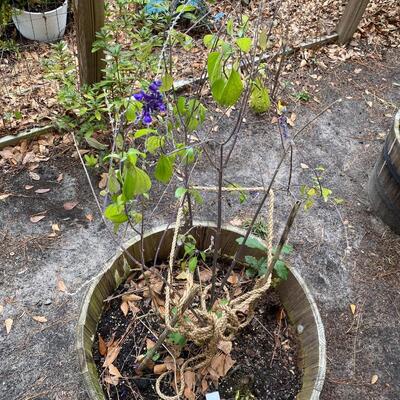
(384, 182)
(294, 294)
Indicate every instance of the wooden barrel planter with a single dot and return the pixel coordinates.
(294, 294)
(384, 182)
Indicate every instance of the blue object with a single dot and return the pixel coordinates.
(154, 7)
(219, 16)
(213, 396)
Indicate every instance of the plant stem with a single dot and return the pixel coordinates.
(166, 331)
(219, 225)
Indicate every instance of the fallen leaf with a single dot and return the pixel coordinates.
(70, 205)
(60, 177)
(225, 346)
(61, 286)
(114, 371)
(40, 191)
(28, 187)
(124, 308)
(374, 379)
(357, 70)
(103, 180)
(182, 276)
(112, 380)
(236, 221)
(102, 346)
(353, 308)
(1, 309)
(149, 344)
(160, 369)
(112, 354)
(55, 227)
(131, 297)
(233, 279)
(4, 196)
(40, 319)
(37, 218)
(34, 176)
(89, 217)
(304, 166)
(8, 323)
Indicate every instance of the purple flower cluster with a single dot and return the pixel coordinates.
(152, 101)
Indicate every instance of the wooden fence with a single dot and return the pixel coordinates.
(90, 18)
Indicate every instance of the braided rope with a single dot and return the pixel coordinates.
(221, 323)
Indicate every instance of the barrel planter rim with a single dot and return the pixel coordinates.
(46, 26)
(384, 180)
(316, 359)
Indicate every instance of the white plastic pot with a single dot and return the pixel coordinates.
(42, 26)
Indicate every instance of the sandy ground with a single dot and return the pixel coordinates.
(38, 360)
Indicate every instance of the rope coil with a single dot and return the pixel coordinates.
(219, 324)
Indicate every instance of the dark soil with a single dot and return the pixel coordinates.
(38, 6)
(266, 371)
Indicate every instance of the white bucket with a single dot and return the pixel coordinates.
(42, 26)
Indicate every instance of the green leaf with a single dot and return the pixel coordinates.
(153, 143)
(143, 132)
(259, 98)
(326, 193)
(244, 44)
(177, 338)
(229, 27)
(263, 40)
(196, 195)
(136, 182)
(131, 113)
(92, 142)
(252, 261)
(252, 243)
(287, 248)
(164, 169)
(231, 91)
(185, 8)
(180, 192)
(156, 356)
(192, 264)
(214, 67)
(281, 270)
(113, 184)
(116, 213)
(167, 83)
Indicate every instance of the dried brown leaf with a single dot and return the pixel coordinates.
(61, 286)
(36, 218)
(8, 323)
(102, 346)
(28, 187)
(103, 180)
(149, 344)
(34, 176)
(374, 379)
(39, 318)
(124, 308)
(114, 371)
(160, 369)
(44, 190)
(225, 346)
(70, 205)
(4, 196)
(89, 217)
(112, 354)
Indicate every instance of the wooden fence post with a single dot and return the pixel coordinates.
(351, 17)
(89, 18)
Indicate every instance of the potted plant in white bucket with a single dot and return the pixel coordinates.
(41, 20)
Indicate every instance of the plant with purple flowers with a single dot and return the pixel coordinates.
(152, 101)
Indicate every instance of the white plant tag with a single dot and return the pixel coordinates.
(213, 396)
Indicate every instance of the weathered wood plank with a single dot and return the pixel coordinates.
(351, 17)
(89, 18)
